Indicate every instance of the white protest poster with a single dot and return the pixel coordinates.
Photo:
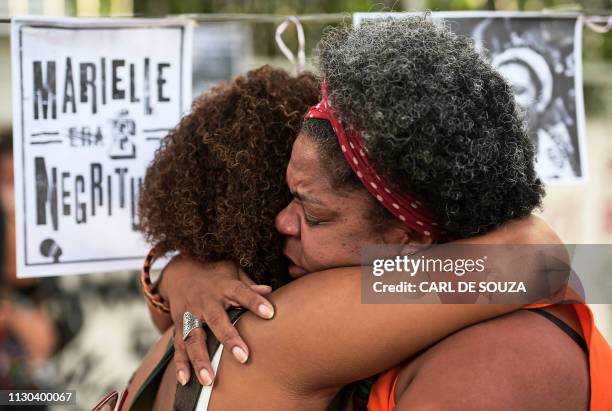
(540, 54)
(92, 99)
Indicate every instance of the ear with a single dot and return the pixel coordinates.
(399, 233)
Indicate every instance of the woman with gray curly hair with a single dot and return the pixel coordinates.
(417, 140)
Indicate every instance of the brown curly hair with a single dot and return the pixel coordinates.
(218, 180)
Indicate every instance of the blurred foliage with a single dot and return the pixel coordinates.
(263, 33)
(156, 7)
(597, 48)
(163, 7)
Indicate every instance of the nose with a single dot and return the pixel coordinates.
(287, 221)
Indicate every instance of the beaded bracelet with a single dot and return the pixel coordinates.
(152, 296)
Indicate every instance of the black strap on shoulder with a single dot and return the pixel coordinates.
(564, 327)
(186, 397)
(145, 397)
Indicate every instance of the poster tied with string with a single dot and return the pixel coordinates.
(92, 99)
(540, 54)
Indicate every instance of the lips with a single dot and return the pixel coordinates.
(294, 269)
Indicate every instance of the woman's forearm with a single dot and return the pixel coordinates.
(323, 336)
(162, 321)
(527, 230)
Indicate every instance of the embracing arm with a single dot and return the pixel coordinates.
(323, 337)
(207, 289)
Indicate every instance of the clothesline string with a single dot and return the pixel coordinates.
(591, 21)
(233, 17)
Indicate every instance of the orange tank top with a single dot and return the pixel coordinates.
(600, 369)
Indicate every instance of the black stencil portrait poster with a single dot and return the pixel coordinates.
(92, 98)
(541, 56)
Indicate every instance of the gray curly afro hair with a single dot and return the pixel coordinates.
(438, 120)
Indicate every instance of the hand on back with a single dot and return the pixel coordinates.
(207, 290)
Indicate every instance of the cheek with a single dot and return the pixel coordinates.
(327, 250)
(336, 246)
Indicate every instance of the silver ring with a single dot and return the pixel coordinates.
(190, 323)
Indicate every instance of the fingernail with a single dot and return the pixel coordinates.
(205, 376)
(182, 377)
(240, 355)
(265, 311)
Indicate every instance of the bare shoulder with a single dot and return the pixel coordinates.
(518, 361)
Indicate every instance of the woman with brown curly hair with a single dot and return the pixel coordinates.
(217, 181)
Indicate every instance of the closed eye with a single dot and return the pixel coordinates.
(311, 221)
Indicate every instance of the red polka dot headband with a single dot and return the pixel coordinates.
(402, 205)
